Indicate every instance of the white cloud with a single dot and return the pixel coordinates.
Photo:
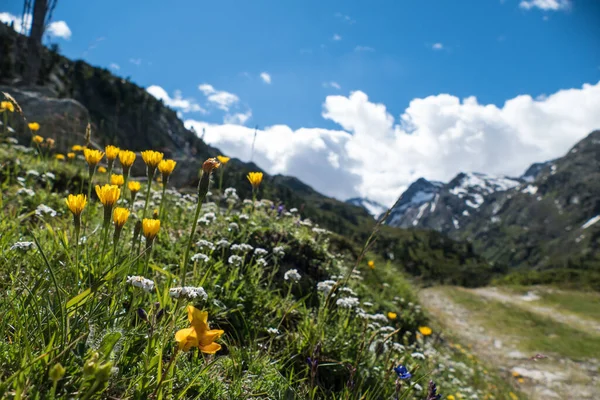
(176, 102)
(114, 66)
(344, 17)
(363, 48)
(546, 5)
(336, 37)
(221, 99)
(237, 118)
(437, 46)
(265, 77)
(22, 25)
(377, 155)
(332, 84)
(59, 29)
(136, 61)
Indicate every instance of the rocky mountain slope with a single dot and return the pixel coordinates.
(374, 208)
(547, 219)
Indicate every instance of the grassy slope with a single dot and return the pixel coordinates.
(49, 316)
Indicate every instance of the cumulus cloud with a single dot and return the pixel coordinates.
(177, 101)
(546, 5)
(59, 29)
(363, 48)
(265, 77)
(332, 84)
(237, 118)
(221, 99)
(377, 155)
(336, 37)
(437, 46)
(23, 24)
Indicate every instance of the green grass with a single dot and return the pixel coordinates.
(531, 332)
(79, 330)
(585, 303)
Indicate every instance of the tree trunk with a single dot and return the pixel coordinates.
(34, 42)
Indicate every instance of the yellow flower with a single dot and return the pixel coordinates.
(150, 228)
(166, 167)
(76, 203)
(77, 148)
(198, 335)
(7, 105)
(50, 142)
(108, 194)
(120, 216)
(223, 160)
(371, 264)
(425, 330)
(127, 158)
(70, 156)
(101, 170)
(255, 179)
(38, 139)
(521, 380)
(392, 315)
(60, 157)
(152, 158)
(451, 397)
(117, 180)
(33, 126)
(92, 157)
(513, 396)
(134, 186)
(515, 374)
(111, 152)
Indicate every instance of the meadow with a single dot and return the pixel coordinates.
(122, 287)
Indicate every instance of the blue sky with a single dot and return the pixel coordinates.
(393, 51)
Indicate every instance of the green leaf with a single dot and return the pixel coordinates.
(79, 299)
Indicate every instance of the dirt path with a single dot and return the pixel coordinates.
(525, 303)
(551, 378)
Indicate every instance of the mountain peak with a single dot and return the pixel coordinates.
(374, 208)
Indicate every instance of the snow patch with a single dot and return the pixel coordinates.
(420, 214)
(590, 222)
(530, 189)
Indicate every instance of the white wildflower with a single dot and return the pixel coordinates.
(262, 262)
(347, 302)
(188, 292)
(418, 356)
(325, 286)
(244, 217)
(200, 256)
(273, 331)
(294, 210)
(22, 245)
(378, 317)
(44, 209)
(209, 215)
(33, 172)
(139, 281)
(205, 244)
(26, 191)
(398, 347)
(278, 251)
(260, 252)
(233, 226)
(223, 243)
(235, 260)
(292, 275)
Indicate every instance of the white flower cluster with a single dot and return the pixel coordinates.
(278, 251)
(231, 193)
(139, 281)
(260, 252)
(294, 210)
(244, 217)
(22, 246)
(233, 226)
(292, 275)
(205, 244)
(347, 302)
(188, 292)
(272, 331)
(262, 262)
(223, 243)
(325, 286)
(320, 231)
(244, 247)
(26, 191)
(200, 256)
(235, 260)
(44, 209)
(32, 172)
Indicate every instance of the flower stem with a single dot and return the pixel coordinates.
(150, 178)
(189, 245)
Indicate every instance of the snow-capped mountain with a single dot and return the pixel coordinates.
(443, 206)
(372, 207)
